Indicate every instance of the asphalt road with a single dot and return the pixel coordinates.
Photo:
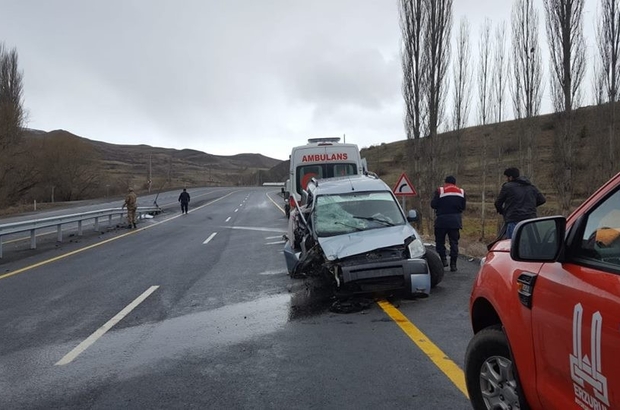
(197, 311)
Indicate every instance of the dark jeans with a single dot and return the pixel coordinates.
(440, 242)
(510, 227)
(184, 206)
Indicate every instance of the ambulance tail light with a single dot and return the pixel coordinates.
(291, 201)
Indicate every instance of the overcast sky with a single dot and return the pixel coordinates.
(223, 77)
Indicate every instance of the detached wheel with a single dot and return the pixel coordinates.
(490, 373)
(435, 266)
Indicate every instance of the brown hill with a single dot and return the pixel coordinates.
(120, 166)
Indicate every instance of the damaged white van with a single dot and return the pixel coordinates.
(353, 232)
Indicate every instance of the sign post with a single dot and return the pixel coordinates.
(404, 188)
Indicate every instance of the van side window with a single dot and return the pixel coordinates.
(601, 237)
(340, 170)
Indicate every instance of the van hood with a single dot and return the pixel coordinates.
(342, 246)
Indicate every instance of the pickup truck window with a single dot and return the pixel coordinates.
(601, 238)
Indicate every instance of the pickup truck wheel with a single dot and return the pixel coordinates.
(435, 266)
(490, 373)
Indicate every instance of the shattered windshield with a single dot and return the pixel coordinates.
(353, 212)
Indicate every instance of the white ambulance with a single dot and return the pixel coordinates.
(323, 157)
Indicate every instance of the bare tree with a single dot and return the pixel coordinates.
(462, 87)
(500, 78)
(500, 72)
(17, 170)
(484, 73)
(436, 59)
(567, 48)
(526, 87)
(608, 41)
(412, 22)
(71, 166)
(485, 105)
(568, 51)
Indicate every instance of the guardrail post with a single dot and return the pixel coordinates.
(59, 233)
(79, 228)
(0, 246)
(33, 239)
(96, 223)
(109, 221)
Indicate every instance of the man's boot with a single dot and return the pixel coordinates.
(453, 264)
(444, 261)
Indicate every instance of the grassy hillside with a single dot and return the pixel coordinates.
(502, 151)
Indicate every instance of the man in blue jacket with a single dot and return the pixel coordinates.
(449, 204)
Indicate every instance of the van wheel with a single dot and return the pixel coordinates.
(435, 266)
(287, 211)
(490, 372)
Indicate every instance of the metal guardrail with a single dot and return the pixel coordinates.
(57, 221)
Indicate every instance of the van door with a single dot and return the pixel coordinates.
(576, 316)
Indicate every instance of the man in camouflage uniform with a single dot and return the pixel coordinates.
(131, 202)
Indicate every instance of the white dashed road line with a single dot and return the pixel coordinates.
(69, 357)
(209, 238)
(228, 219)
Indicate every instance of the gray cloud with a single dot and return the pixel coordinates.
(224, 77)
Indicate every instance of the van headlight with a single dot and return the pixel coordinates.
(416, 249)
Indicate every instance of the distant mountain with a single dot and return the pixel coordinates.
(132, 164)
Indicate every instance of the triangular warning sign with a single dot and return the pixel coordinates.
(404, 187)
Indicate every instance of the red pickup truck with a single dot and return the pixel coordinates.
(545, 311)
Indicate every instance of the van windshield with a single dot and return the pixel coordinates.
(319, 171)
(352, 212)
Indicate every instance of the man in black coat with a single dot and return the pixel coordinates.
(449, 203)
(184, 200)
(517, 200)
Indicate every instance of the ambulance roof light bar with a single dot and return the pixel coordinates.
(321, 140)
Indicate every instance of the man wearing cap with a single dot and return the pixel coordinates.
(131, 202)
(449, 204)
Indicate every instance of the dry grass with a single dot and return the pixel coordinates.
(389, 160)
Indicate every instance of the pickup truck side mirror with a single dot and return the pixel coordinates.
(538, 240)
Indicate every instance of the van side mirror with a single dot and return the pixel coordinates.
(413, 216)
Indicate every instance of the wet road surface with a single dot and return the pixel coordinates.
(197, 311)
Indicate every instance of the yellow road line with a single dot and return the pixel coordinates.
(437, 356)
(47, 261)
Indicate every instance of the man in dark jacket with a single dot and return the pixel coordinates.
(184, 200)
(517, 200)
(449, 204)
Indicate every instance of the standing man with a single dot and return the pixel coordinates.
(517, 200)
(131, 202)
(184, 200)
(449, 204)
